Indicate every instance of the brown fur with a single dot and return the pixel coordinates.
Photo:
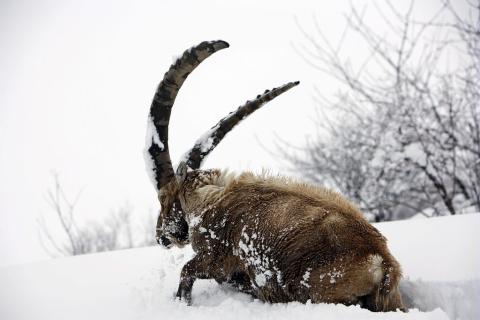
(285, 240)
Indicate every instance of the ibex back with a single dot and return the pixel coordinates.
(274, 238)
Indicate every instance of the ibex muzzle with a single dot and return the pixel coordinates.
(272, 237)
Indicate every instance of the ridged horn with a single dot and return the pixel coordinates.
(209, 140)
(157, 154)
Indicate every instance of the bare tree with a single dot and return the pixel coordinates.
(63, 235)
(405, 132)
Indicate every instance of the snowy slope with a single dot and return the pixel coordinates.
(440, 258)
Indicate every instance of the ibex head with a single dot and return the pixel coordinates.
(172, 228)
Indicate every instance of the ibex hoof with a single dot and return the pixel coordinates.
(185, 295)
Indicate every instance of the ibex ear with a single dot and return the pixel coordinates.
(181, 173)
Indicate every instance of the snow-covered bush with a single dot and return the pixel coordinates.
(403, 134)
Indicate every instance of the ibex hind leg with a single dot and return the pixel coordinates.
(354, 280)
(386, 294)
(384, 301)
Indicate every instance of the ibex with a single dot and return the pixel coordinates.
(275, 238)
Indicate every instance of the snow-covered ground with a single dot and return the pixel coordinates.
(440, 257)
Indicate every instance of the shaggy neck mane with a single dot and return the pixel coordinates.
(223, 181)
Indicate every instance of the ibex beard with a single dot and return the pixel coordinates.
(272, 237)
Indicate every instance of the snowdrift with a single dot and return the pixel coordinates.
(440, 258)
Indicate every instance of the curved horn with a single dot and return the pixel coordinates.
(157, 155)
(208, 141)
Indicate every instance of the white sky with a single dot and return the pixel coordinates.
(77, 79)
